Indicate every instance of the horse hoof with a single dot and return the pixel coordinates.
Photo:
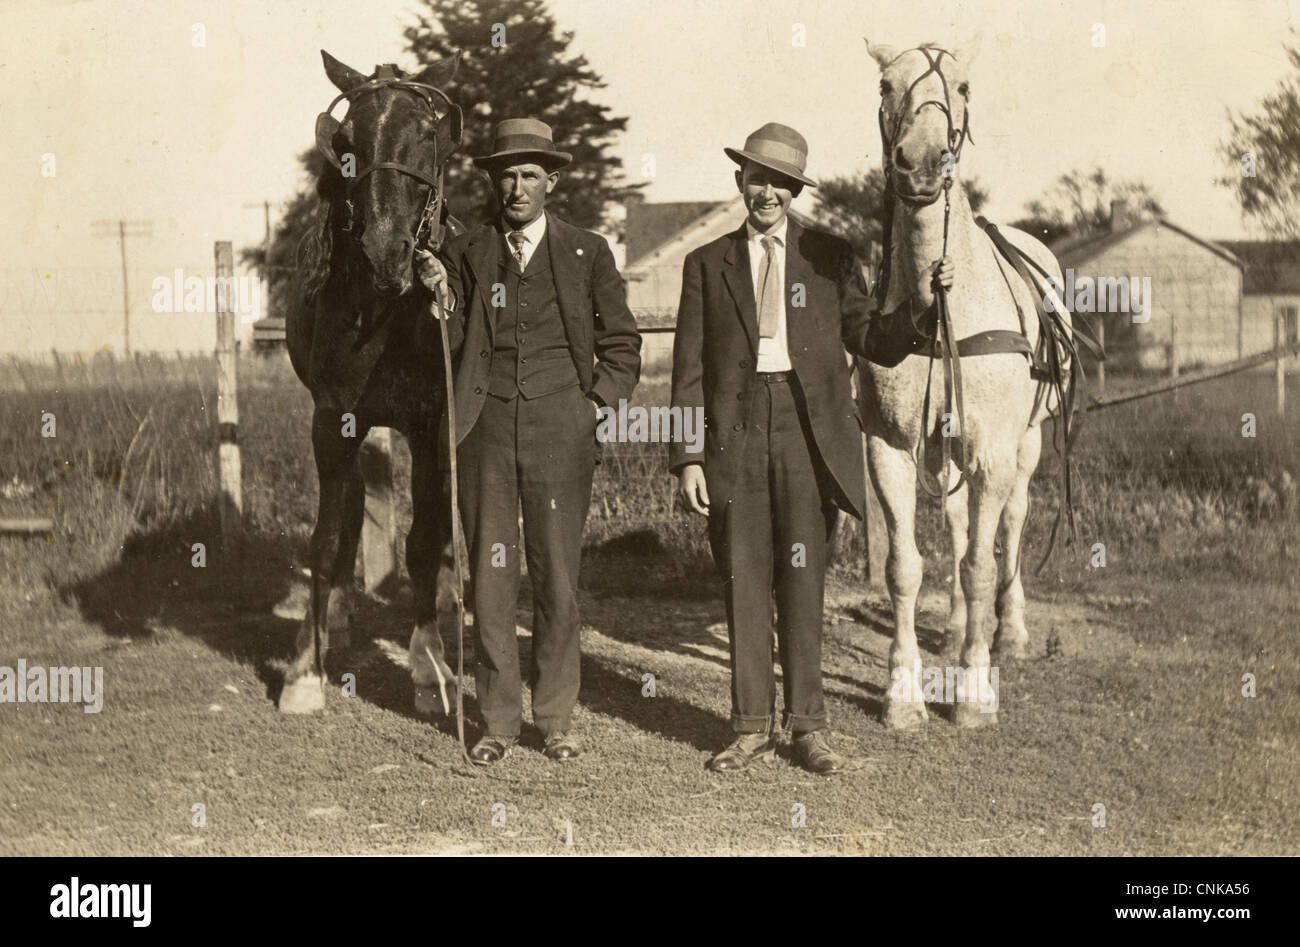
(306, 695)
(903, 714)
(968, 716)
(1011, 649)
(432, 700)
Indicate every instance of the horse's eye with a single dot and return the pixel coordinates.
(963, 90)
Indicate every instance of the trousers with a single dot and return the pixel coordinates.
(771, 540)
(537, 455)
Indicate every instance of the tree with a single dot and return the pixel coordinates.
(1079, 203)
(517, 64)
(531, 75)
(852, 206)
(1263, 152)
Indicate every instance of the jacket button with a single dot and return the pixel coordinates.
(740, 396)
(483, 354)
(478, 391)
(738, 427)
(744, 363)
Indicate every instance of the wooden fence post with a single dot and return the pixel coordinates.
(228, 461)
(1101, 363)
(1279, 336)
(379, 528)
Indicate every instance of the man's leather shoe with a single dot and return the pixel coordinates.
(490, 749)
(561, 746)
(745, 749)
(814, 753)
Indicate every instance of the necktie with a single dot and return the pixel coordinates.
(769, 292)
(516, 238)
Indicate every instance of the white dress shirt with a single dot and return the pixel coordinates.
(533, 234)
(774, 353)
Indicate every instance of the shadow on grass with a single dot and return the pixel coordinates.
(228, 604)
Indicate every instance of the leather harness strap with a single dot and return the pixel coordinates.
(991, 342)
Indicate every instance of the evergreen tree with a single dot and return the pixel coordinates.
(514, 63)
(517, 64)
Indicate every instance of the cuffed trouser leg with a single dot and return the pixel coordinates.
(489, 491)
(773, 535)
(557, 463)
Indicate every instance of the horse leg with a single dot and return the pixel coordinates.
(893, 472)
(975, 704)
(435, 683)
(335, 456)
(1012, 639)
(339, 610)
(957, 515)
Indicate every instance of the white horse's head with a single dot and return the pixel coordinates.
(924, 100)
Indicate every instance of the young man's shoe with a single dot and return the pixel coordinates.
(813, 752)
(747, 748)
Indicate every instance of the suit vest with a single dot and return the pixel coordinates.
(530, 352)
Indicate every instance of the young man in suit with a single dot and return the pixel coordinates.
(543, 339)
(766, 314)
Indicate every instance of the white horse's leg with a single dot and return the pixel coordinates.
(1012, 640)
(975, 704)
(957, 515)
(894, 474)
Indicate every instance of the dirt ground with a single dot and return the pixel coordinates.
(1139, 710)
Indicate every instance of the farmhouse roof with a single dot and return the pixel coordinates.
(649, 225)
(1271, 266)
(1077, 250)
(732, 209)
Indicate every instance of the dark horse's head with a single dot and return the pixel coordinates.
(383, 183)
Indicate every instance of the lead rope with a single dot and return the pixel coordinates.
(431, 218)
(455, 527)
(954, 397)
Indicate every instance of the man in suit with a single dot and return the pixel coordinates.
(766, 314)
(543, 338)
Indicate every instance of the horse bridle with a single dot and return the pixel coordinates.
(956, 137)
(429, 231)
(943, 327)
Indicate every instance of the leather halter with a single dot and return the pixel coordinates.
(945, 341)
(956, 137)
(429, 231)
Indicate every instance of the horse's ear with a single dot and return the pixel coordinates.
(883, 54)
(344, 77)
(440, 73)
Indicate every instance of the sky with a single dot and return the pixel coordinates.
(147, 125)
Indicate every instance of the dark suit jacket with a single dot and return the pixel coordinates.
(603, 339)
(716, 349)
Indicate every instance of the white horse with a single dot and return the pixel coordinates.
(996, 445)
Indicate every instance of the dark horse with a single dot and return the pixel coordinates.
(366, 342)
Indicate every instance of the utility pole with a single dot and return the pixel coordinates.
(265, 206)
(121, 229)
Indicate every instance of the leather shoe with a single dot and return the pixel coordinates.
(814, 753)
(561, 746)
(490, 749)
(745, 749)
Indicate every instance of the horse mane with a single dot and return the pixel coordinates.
(316, 248)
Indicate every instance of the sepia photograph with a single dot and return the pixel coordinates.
(650, 428)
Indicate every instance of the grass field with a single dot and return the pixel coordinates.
(1139, 708)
